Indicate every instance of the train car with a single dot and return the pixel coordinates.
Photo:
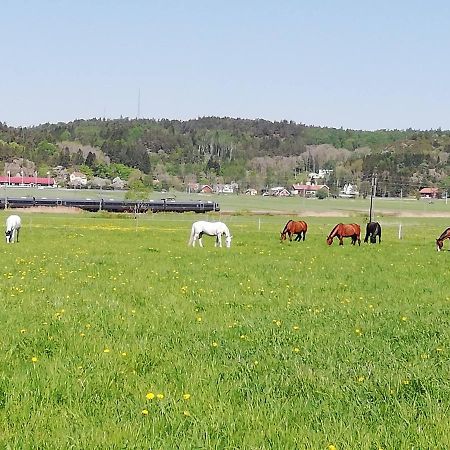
(163, 205)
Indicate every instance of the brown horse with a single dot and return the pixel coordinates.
(341, 231)
(294, 227)
(440, 240)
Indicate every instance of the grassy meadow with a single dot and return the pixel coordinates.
(116, 335)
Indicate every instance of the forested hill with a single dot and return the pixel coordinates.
(253, 153)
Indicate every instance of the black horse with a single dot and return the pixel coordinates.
(373, 230)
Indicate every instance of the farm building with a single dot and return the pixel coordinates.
(206, 189)
(308, 190)
(279, 191)
(430, 192)
(21, 180)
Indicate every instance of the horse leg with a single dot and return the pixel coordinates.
(17, 236)
(304, 235)
(297, 237)
(341, 240)
(219, 240)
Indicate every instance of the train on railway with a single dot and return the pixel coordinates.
(110, 205)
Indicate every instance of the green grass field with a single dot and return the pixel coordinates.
(116, 335)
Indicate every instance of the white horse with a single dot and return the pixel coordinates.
(211, 229)
(13, 224)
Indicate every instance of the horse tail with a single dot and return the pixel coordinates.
(191, 237)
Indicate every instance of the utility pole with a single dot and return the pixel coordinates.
(372, 194)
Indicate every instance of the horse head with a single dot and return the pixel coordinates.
(329, 240)
(228, 240)
(283, 236)
(439, 244)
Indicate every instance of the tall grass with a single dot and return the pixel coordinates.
(117, 335)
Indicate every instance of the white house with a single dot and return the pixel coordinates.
(320, 175)
(78, 179)
(279, 191)
(349, 191)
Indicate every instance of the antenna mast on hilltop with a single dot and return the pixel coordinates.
(139, 104)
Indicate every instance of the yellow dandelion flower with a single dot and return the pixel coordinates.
(296, 349)
(159, 396)
(361, 379)
(144, 412)
(199, 319)
(186, 396)
(150, 396)
(295, 327)
(186, 413)
(124, 353)
(332, 447)
(215, 344)
(34, 359)
(404, 319)
(106, 350)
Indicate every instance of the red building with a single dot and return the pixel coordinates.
(27, 181)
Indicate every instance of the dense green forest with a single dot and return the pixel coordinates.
(253, 153)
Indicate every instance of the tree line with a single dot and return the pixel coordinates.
(253, 153)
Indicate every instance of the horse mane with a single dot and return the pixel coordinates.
(444, 234)
(285, 227)
(334, 230)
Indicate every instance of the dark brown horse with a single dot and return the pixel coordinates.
(373, 229)
(440, 240)
(294, 227)
(352, 230)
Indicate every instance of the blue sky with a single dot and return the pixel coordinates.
(352, 64)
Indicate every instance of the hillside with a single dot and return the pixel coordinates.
(253, 153)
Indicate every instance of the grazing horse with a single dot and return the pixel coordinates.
(373, 229)
(211, 229)
(341, 231)
(13, 224)
(294, 227)
(440, 240)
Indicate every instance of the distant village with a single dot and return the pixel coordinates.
(314, 188)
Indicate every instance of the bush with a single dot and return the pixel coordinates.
(321, 194)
